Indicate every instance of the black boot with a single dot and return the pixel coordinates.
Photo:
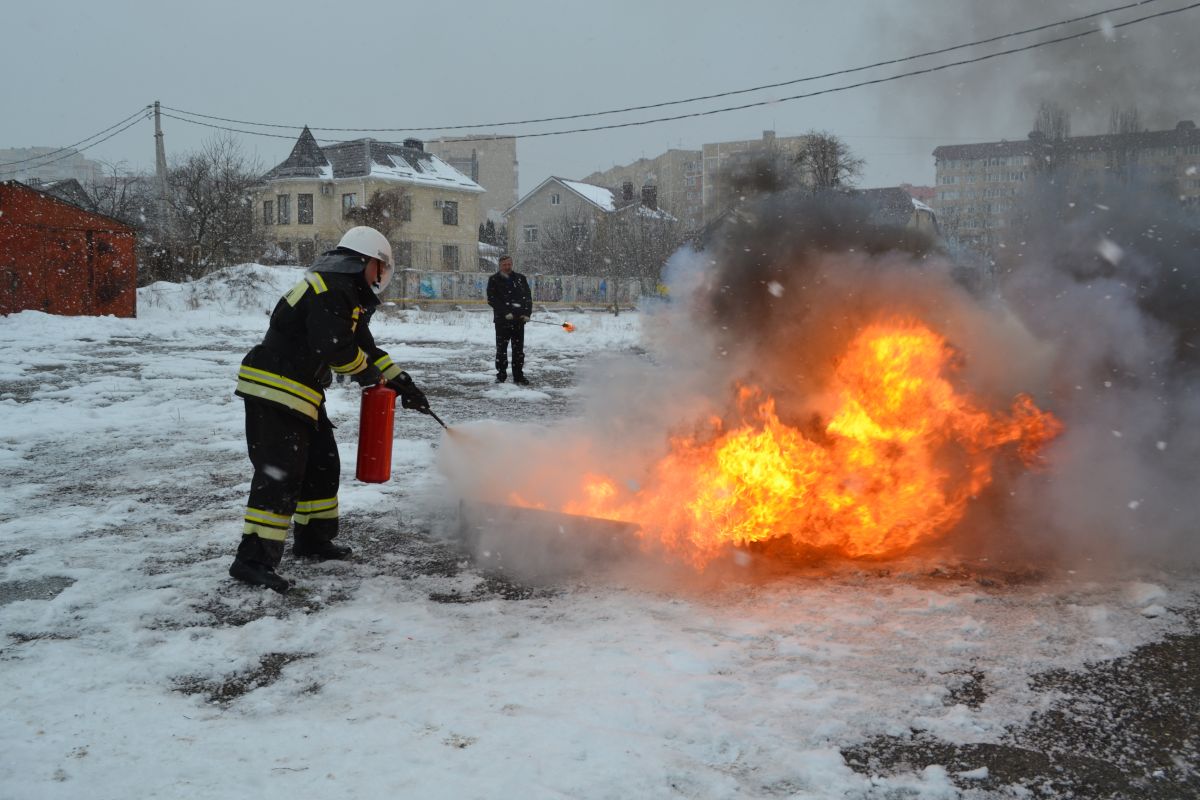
(320, 549)
(501, 377)
(256, 573)
(519, 378)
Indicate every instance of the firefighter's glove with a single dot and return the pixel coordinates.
(368, 376)
(410, 395)
(508, 317)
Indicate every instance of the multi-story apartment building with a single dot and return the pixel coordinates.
(696, 186)
(490, 161)
(721, 160)
(37, 166)
(678, 176)
(304, 201)
(980, 185)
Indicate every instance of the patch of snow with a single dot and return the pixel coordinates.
(124, 476)
(1139, 593)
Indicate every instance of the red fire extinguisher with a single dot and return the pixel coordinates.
(375, 435)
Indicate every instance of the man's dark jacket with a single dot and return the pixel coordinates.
(509, 296)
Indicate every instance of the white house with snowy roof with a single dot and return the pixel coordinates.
(557, 205)
(305, 202)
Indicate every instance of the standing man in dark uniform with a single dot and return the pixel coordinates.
(512, 304)
(318, 326)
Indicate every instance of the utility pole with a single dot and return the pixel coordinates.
(160, 171)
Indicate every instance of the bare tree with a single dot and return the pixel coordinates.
(1048, 139)
(1124, 125)
(1052, 121)
(121, 194)
(567, 244)
(385, 211)
(1123, 121)
(212, 220)
(634, 243)
(826, 161)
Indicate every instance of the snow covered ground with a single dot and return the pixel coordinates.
(134, 667)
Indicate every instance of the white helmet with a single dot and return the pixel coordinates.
(369, 242)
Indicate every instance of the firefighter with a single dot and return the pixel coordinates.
(512, 304)
(317, 329)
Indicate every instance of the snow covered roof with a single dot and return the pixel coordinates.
(596, 195)
(601, 198)
(651, 213)
(363, 158)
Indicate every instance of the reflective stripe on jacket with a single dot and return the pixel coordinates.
(321, 324)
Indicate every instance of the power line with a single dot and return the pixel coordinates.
(775, 101)
(75, 147)
(667, 103)
(288, 136)
(93, 144)
(836, 89)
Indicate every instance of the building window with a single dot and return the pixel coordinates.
(531, 233)
(404, 254)
(406, 208)
(450, 212)
(304, 210)
(555, 199)
(284, 203)
(268, 212)
(305, 250)
(450, 256)
(286, 249)
(349, 201)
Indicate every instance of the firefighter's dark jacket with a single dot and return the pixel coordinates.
(318, 326)
(509, 296)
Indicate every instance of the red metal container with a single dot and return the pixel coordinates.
(375, 435)
(61, 259)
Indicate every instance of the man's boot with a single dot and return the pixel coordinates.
(320, 549)
(501, 377)
(520, 378)
(256, 573)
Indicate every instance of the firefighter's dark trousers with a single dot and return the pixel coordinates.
(296, 472)
(510, 331)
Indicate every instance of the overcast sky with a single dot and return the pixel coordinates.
(74, 68)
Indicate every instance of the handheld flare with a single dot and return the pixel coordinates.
(566, 326)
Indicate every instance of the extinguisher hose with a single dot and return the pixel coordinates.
(429, 411)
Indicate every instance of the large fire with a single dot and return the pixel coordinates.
(894, 463)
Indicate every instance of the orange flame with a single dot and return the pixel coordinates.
(568, 327)
(894, 465)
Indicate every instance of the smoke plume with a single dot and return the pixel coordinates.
(1150, 66)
